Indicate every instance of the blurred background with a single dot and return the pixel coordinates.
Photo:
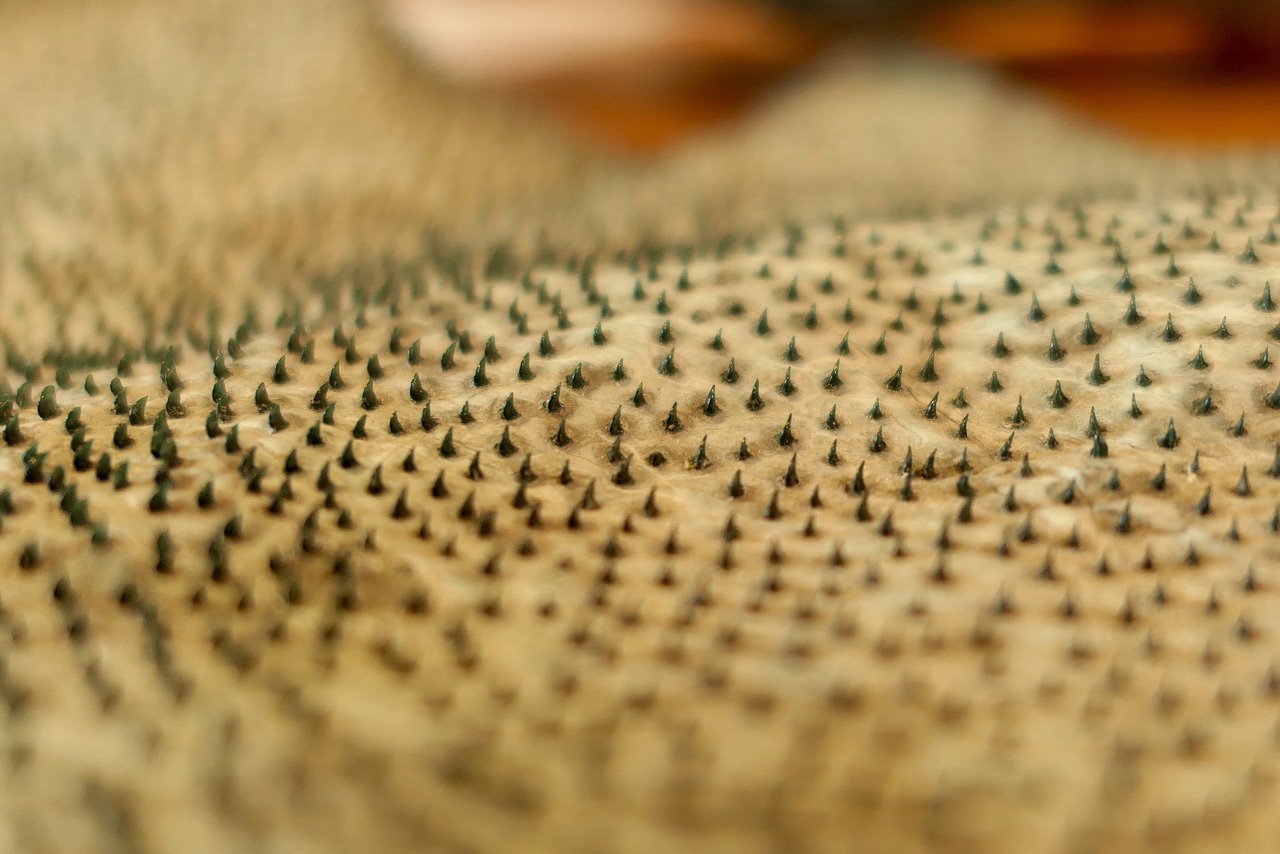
(142, 129)
(641, 75)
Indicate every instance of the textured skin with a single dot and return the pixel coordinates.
(450, 670)
(443, 676)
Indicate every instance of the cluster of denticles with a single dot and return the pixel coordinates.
(758, 470)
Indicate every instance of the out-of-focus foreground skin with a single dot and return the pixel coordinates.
(642, 75)
(381, 469)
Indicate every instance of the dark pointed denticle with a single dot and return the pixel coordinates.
(1058, 399)
(1056, 351)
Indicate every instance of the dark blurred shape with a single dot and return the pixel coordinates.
(1197, 72)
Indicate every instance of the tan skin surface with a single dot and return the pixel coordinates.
(258, 154)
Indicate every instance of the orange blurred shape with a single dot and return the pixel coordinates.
(648, 123)
(1187, 70)
(727, 57)
(1012, 32)
(635, 74)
